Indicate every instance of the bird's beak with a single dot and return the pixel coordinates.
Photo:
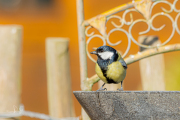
(94, 52)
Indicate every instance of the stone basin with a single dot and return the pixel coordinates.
(130, 105)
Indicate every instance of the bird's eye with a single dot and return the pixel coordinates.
(101, 50)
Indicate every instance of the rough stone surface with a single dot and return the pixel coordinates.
(130, 105)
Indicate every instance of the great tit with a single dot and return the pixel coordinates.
(110, 66)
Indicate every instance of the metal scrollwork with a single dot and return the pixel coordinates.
(88, 41)
(120, 20)
(129, 41)
(149, 21)
(176, 25)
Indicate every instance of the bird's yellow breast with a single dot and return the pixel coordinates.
(115, 71)
(100, 73)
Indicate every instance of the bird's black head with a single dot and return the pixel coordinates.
(106, 53)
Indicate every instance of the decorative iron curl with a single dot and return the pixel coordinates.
(165, 10)
(177, 17)
(129, 41)
(131, 16)
(174, 6)
(150, 25)
(157, 29)
(86, 31)
(88, 41)
(176, 25)
(114, 24)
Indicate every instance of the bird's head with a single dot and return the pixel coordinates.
(105, 53)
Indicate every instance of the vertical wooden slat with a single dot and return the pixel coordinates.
(10, 67)
(58, 77)
(152, 68)
(82, 40)
(82, 47)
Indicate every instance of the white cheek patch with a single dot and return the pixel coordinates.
(106, 55)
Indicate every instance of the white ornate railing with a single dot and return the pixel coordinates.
(143, 7)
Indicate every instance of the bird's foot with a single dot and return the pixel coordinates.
(121, 89)
(101, 89)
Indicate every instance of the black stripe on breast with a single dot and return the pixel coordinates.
(103, 65)
(108, 79)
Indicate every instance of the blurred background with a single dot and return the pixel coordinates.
(57, 18)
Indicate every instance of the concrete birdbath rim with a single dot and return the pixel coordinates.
(120, 105)
(126, 91)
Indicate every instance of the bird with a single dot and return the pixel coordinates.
(110, 66)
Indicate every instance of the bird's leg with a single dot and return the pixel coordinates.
(102, 89)
(121, 89)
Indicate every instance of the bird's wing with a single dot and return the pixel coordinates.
(123, 63)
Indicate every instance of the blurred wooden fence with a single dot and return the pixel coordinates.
(58, 77)
(10, 67)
